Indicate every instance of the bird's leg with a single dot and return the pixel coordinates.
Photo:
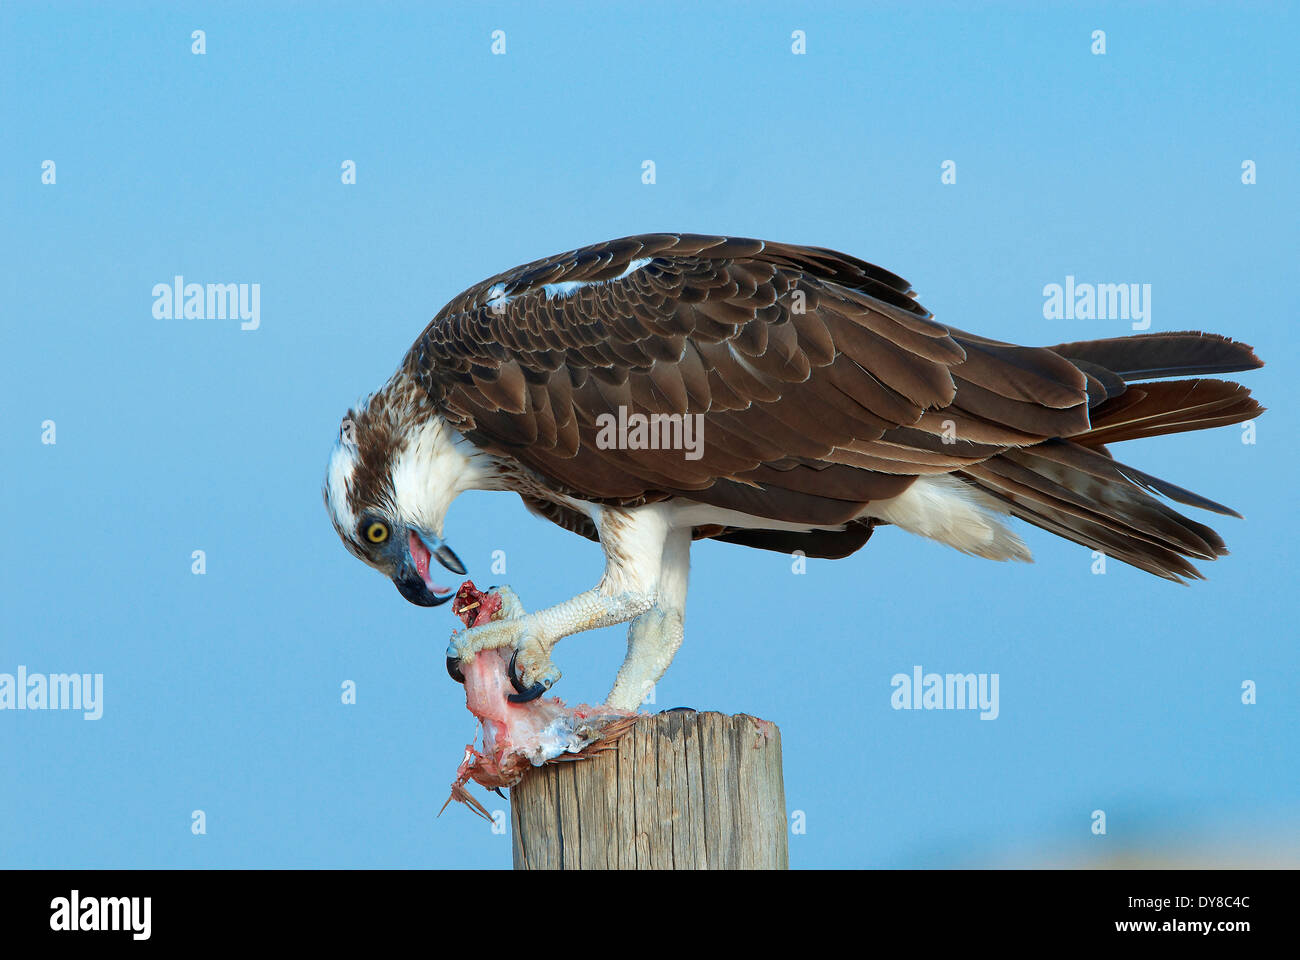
(652, 642)
(655, 636)
(633, 539)
(535, 634)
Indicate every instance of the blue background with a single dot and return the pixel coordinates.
(1118, 692)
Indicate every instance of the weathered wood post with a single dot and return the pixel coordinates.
(681, 790)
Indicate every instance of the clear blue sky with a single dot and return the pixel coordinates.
(222, 692)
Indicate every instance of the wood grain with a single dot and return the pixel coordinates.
(681, 791)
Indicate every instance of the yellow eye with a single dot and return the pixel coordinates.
(377, 532)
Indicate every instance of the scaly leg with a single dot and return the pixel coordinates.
(655, 636)
(633, 539)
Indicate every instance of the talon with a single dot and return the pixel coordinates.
(497, 791)
(523, 694)
(510, 671)
(453, 670)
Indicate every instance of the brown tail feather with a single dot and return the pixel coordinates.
(1080, 494)
(1147, 356)
(1172, 406)
(1151, 557)
(1073, 488)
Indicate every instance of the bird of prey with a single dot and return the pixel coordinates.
(825, 400)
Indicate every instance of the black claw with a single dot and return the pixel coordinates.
(453, 669)
(514, 677)
(679, 710)
(497, 791)
(522, 694)
(532, 693)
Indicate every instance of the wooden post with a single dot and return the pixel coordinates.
(682, 790)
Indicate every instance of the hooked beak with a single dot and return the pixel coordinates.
(412, 577)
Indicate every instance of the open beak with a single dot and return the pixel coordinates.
(412, 577)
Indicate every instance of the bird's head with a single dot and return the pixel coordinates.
(392, 476)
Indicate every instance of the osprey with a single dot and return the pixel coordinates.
(823, 402)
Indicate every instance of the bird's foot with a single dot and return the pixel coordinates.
(480, 610)
(531, 671)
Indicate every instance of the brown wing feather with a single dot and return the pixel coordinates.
(823, 385)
